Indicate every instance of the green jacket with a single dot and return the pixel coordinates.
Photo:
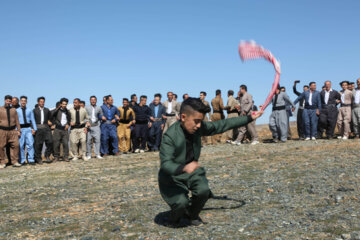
(173, 144)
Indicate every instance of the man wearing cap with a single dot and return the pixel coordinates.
(329, 111)
(10, 132)
(28, 129)
(311, 111)
(344, 116)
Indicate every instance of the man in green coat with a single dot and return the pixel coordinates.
(180, 171)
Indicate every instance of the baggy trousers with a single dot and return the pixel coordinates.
(310, 122)
(278, 124)
(327, 120)
(94, 134)
(216, 117)
(78, 135)
(343, 121)
(43, 135)
(250, 127)
(124, 137)
(26, 140)
(175, 189)
(300, 123)
(232, 133)
(356, 120)
(61, 136)
(141, 131)
(108, 132)
(155, 135)
(11, 138)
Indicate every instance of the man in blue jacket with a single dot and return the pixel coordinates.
(311, 111)
(157, 123)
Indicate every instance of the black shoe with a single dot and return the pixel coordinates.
(39, 162)
(182, 222)
(197, 222)
(32, 163)
(125, 152)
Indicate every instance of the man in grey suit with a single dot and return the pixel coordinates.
(245, 108)
(93, 134)
(278, 122)
(172, 111)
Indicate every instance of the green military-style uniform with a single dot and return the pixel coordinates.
(179, 148)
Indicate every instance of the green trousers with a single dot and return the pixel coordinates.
(175, 191)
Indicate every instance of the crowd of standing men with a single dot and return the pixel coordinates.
(29, 135)
(86, 131)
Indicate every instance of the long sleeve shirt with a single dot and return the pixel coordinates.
(9, 118)
(110, 112)
(142, 114)
(28, 119)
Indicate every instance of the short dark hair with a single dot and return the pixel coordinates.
(243, 87)
(307, 86)
(107, 97)
(202, 92)
(64, 100)
(58, 104)
(175, 95)
(185, 95)
(157, 95)
(217, 92)
(231, 92)
(82, 102)
(143, 96)
(93, 96)
(77, 99)
(193, 104)
(8, 97)
(351, 83)
(39, 98)
(132, 96)
(23, 97)
(312, 83)
(282, 87)
(125, 99)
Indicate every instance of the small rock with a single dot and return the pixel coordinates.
(345, 236)
(116, 229)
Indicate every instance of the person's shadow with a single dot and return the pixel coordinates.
(162, 218)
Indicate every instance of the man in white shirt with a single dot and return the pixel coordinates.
(355, 113)
(172, 111)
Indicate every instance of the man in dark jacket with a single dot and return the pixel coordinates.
(157, 123)
(299, 120)
(142, 125)
(180, 171)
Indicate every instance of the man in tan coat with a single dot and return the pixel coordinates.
(79, 123)
(9, 133)
(218, 113)
(344, 116)
(246, 103)
(231, 108)
(205, 139)
(172, 111)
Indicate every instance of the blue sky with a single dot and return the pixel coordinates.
(66, 48)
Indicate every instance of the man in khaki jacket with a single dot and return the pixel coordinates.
(218, 114)
(344, 116)
(172, 111)
(246, 103)
(231, 108)
(79, 123)
(127, 118)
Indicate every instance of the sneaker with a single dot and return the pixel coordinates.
(275, 140)
(345, 138)
(142, 151)
(75, 159)
(236, 143)
(137, 151)
(2, 166)
(17, 165)
(86, 158)
(339, 137)
(255, 142)
(313, 138)
(99, 157)
(307, 139)
(228, 141)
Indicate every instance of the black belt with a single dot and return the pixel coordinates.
(328, 105)
(311, 107)
(141, 121)
(170, 114)
(279, 108)
(216, 111)
(233, 111)
(60, 127)
(7, 128)
(78, 126)
(25, 125)
(345, 105)
(124, 121)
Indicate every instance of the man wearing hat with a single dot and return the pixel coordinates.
(344, 116)
(10, 132)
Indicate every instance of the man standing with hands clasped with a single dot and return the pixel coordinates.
(180, 171)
